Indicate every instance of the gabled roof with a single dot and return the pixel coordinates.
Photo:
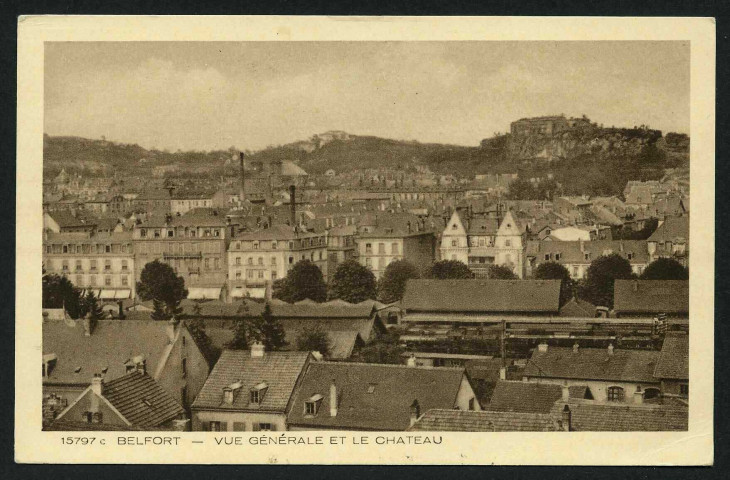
(593, 364)
(651, 296)
(577, 307)
(674, 358)
(141, 400)
(279, 370)
(444, 420)
(111, 344)
(589, 416)
(482, 295)
(393, 389)
(573, 251)
(66, 219)
(529, 397)
(672, 229)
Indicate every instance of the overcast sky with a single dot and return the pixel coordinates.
(204, 96)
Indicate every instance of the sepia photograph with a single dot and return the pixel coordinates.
(397, 239)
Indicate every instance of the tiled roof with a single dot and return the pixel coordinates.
(141, 400)
(111, 344)
(220, 309)
(579, 308)
(332, 309)
(589, 416)
(529, 397)
(66, 219)
(73, 426)
(671, 229)
(445, 420)
(482, 295)
(593, 364)
(394, 388)
(392, 225)
(674, 358)
(279, 370)
(651, 296)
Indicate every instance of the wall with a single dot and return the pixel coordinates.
(465, 394)
(599, 389)
(171, 377)
(200, 419)
(108, 416)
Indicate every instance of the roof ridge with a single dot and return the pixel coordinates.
(391, 365)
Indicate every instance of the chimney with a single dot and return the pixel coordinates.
(181, 425)
(97, 387)
(582, 246)
(293, 204)
(415, 411)
(636, 285)
(87, 327)
(171, 330)
(575, 347)
(408, 224)
(411, 362)
(639, 395)
(502, 373)
(566, 418)
(542, 348)
(242, 172)
(257, 350)
(566, 392)
(121, 309)
(140, 364)
(333, 399)
(610, 348)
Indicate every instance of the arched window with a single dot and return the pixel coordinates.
(615, 394)
(650, 393)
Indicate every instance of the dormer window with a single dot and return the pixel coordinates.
(257, 393)
(229, 392)
(311, 406)
(454, 227)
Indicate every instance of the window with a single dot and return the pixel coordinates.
(108, 281)
(215, 426)
(684, 389)
(630, 256)
(547, 257)
(454, 243)
(575, 271)
(265, 427)
(255, 245)
(124, 265)
(78, 265)
(238, 260)
(369, 262)
(239, 427)
(508, 243)
(273, 275)
(217, 263)
(143, 233)
(310, 408)
(261, 260)
(249, 260)
(65, 249)
(381, 249)
(557, 256)
(157, 233)
(249, 273)
(291, 260)
(261, 274)
(107, 265)
(368, 248)
(64, 266)
(273, 245)
(125, 280)
(394, 248)
(79, 279)
(207, 263)
(471, 403)
(587, 256)
(615, 394)
(170, 233)
(92, 280)
(454, 227)
(273, 261)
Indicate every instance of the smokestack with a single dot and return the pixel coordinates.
(293, 204)
(333, 399)
(242, 194)
(415, 412)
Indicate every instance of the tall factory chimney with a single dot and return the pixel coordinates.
(293, 204)
(242, 195)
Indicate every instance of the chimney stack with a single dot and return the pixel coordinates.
(97, 383)
(575, 347)
(333, 399)
(542, 348)
(566, 418)
(566, 392)
(171, 330)
(502, 373)
(411, 362)
(242, 172)
(636, 285)
(415, 412)
(181, 425)
(257, 350)
(293, 204)
(87, 326)
(639, 395)
(610, 348)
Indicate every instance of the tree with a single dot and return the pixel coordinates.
(314, 339)
(303, 281)
(450, 269)
(393, 284)
(271, 332)
(665, 269)
(555, 271)
(202, 340)
(385, 349)
(159, 283)
(92, 309)
(353, 283)
(600, 278)
(59, 292)
(520, 189)
(242, 330)
(500, 272)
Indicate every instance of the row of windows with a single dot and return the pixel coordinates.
(274, 245)
(380, 264)
(394, 248)
(187, 232)
(89, 248)
(258, 274)
(238, 427)
(179, 247)
(93, 281)
(93, 265)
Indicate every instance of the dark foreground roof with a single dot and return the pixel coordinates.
(141, 400)
(674, 359)
(482, 295)
(373, 396)
(529, 397)
(443, 420)
(589, 416)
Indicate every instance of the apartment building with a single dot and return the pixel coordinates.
(257, 259)
(194, 244)
(101, 262)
